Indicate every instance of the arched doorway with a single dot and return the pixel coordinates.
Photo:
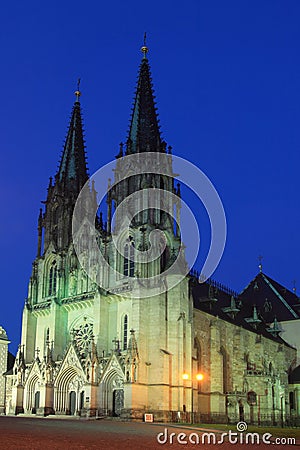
(36, 402)
(118, 401)
(72, 402)
(112, 393)
(32, 395)
(68, 388)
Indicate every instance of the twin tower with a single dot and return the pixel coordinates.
(101, 319)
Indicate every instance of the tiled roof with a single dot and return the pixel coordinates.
(255, 308)
(271, 298)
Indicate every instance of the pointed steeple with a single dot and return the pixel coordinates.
(144, 133)
(73, 168)
(69, 180)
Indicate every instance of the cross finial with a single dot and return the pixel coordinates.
(77, 92)
(260, 258)
(145, 49)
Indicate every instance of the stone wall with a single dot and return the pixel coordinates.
(245, 374)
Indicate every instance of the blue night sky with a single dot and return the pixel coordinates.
(227, 80)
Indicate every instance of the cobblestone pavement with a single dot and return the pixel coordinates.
(18, 433)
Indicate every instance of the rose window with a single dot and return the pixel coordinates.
(83, 337)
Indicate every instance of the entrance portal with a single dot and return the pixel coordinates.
(72, 402)
(36, 402)
(118, 401)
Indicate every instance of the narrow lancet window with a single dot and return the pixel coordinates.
(52, 279)
(129, 260)
(125, 332)
(126, 260)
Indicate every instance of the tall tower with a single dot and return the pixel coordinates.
(72, 174)
(159, 347)
(88, 346)
(57, 279)
(55, 269)
(140, 193)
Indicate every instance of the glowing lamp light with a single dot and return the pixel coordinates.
(185, 376)
(199, 376)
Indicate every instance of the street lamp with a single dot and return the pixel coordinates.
(198, 377)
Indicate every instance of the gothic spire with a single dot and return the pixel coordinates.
(144, 133)
(69, 180)
(72, 171)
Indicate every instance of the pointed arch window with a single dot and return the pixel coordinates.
(52, 279)
(198, 359)
(163, 259)
(126, 251)
(197, 348)
(46, 340)
(292, 400)
(224, 360)
(125, 331)
(129, 260)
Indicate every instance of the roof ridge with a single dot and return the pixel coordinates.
(280, 297)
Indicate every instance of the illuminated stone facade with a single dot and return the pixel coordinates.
(87, 351)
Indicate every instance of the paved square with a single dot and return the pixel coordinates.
(22, 433)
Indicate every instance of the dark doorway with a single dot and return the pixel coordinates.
(72, 402)
(118, 401)
(251, 415)
(36, 402)
(241, 412)
(81, 400)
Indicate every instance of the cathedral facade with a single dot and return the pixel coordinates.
(91, 346)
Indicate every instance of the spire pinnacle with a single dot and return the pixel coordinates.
(73, 167)
(77, 92)
(260, 258)
(144, 48)
(144, 132)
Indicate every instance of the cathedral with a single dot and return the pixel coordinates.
(94, 344)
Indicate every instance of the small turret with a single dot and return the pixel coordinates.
(254, 320)
(275, 328)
